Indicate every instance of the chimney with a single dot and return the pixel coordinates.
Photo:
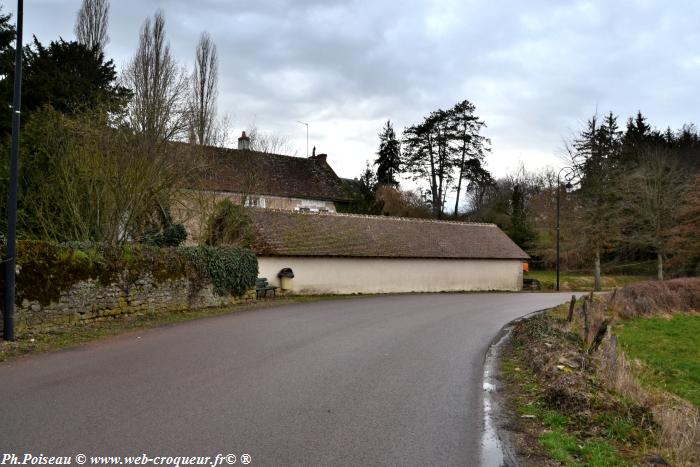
(320, 158)
(244, 142)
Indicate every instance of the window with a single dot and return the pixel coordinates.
(255, 202)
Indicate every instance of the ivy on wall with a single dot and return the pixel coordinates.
(45, 270)
(231, 269)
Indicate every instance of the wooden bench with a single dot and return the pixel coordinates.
(262, 288)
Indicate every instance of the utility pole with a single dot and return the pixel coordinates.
(307, 136)
(10, 258)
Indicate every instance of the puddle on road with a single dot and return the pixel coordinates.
(491, 447)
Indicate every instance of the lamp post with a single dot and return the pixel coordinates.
(307, 136)
(11, 253)
(568, 178)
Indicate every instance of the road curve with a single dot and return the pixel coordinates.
(387, 380)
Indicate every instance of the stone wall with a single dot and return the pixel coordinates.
(89, 300)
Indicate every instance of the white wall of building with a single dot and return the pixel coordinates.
(328, 275)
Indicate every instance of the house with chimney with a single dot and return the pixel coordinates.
(260, 180)
(293, 204)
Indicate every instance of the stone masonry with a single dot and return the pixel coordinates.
(89, 300)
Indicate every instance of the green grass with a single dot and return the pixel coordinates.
(581, 281)
(570, 452)
(560, 435)
(670, 348)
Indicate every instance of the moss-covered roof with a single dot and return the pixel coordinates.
(287, 233)
(252, 172)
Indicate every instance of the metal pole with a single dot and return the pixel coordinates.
(558, 213)
(9, 308)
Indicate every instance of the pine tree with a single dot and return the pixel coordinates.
(471, 146)
(389, 160)
(597, 198)
(638, 137)
(519, 229)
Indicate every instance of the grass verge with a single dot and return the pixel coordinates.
(71, 336)
(562, 414)
(569, 281)
(669, 348)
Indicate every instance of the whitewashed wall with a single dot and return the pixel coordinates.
(326, 275)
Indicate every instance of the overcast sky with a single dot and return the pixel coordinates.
(535, 70)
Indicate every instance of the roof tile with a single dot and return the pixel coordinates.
(287, 233)
(243, 171)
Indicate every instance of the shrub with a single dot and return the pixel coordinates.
(165, 232)
(231, 269)
(229, 224)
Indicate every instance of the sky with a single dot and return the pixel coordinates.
(535, 70)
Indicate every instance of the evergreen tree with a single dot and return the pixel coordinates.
(428, 155)
(71, 77)
(597, 198)
(638, 137)
(389, 160)
(470, 147)
(519, 229)
(67, 75)
(610, 139)
(364, 194)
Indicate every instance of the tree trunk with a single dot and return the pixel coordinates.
(660, 266)
(459, 189)
(459, 182)
(597, 282)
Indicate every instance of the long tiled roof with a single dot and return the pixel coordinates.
(287, 233)
(243, 171)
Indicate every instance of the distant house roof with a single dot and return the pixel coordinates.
(286, 233)
(246, 171)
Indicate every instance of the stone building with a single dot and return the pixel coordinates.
(260, 180)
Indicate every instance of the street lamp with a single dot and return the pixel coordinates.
(307, 136)
(568, 177)
(10, 257)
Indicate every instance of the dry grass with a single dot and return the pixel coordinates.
(678, 419)
(657, 297)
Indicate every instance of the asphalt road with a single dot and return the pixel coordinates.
(390, 380)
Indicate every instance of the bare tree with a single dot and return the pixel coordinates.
(91, 24)
(651, 194)
(203, 94)
(99, 186)
(270, 143)
(158, 108)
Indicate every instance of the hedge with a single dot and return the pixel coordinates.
(45, 270)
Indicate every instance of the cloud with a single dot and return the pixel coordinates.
(534, 69)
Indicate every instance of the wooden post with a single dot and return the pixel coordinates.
(599, 335)
(572, 305)
(585, 322)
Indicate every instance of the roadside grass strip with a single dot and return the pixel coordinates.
(669, 349)
(581, 281)
(608, 430)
